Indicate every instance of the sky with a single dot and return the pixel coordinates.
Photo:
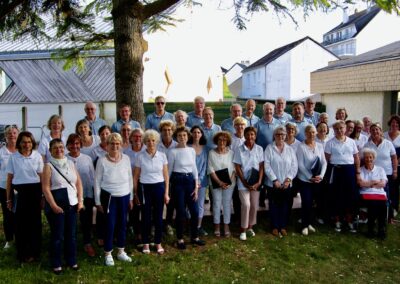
(218, 35)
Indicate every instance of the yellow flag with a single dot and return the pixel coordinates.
(209, 84)
(168, 78)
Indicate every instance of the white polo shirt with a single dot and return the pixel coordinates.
(248, 159)
(151, 167)
(4, 158)
(384, 152)
(341, 152)
(25, 169)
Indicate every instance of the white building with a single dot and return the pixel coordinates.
(285, 71)
(362, 31)
(233, 77)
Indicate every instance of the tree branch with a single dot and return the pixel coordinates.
(157, 7)
(7, 8)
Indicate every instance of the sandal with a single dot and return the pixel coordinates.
(217, 233)
(227, 234)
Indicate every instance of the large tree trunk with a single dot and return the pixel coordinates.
(129, 58)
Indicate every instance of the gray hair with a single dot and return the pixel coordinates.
(151, 134)
(368, 151)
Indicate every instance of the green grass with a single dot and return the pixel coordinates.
(323, 257)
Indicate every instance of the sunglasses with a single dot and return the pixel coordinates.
(160, 103)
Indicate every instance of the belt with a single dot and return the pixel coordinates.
(182, 174)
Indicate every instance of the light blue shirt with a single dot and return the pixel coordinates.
(251, 121)
(314, 118)
(153, 120)
(227, 125)
(209, 134)
(285, 117)
(265, 132)
(95, 125)
(301, 126)
(201, 164)
(193, 119)
(116, 127)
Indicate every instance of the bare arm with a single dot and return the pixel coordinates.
(166, 180)
(8, 191)
(46, 176)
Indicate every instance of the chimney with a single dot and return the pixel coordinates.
(345, 15)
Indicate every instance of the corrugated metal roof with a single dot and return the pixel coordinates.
(44, 80)
(387, 52)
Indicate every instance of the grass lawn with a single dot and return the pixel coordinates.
(323, 257)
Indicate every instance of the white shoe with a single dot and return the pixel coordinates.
(8, 245)
(243, 236)
(108, 260)
(338, 227)
(124, 257)
(305, 232)
(320, 221)
(311, 229)
(170, 230)
(351, 228)
(251, 232)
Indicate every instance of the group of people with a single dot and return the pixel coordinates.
(130, 175)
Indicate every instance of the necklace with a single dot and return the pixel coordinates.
(112, 159)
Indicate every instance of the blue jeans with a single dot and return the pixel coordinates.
(153, 198)
(63, 230)
(182, 190)
(115, 211)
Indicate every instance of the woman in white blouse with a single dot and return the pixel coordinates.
(185, 185)
(341, 153)
(24, 174)
(280, 166)
(386, 158)
(249, 166)
(291, 132)
(101, 149)
(113, 190)
(84, 166)
(322, 133)
(89, 141)
(312, 167)
(393, 135)
(56, 126)
(151, 178)
(11, 134)
(62, 189)
(372, 181)
(221, 158)
(358, 136)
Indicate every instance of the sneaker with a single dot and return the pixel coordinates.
(304, 232)
(243, 236)
(108, 260)
(8, 245)
(363, 221)
(338, 227)
(320, 221)
(311, 229)
(395, 212)
(202, 232)
(122, 256)
(351, 228)
(251, 233)
(170, 231)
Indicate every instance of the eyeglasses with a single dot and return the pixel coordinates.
(160, 103)
(280, 134)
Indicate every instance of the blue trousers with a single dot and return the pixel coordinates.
(115, 211)
(63, 230)
(307, 193)
(279, 202)
(86, 218)
(153, 200)
(182, 190)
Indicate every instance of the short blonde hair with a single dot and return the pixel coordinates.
(54, 117)
(151, 134)
(240, 120)
(168, 123)
(114, 137)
